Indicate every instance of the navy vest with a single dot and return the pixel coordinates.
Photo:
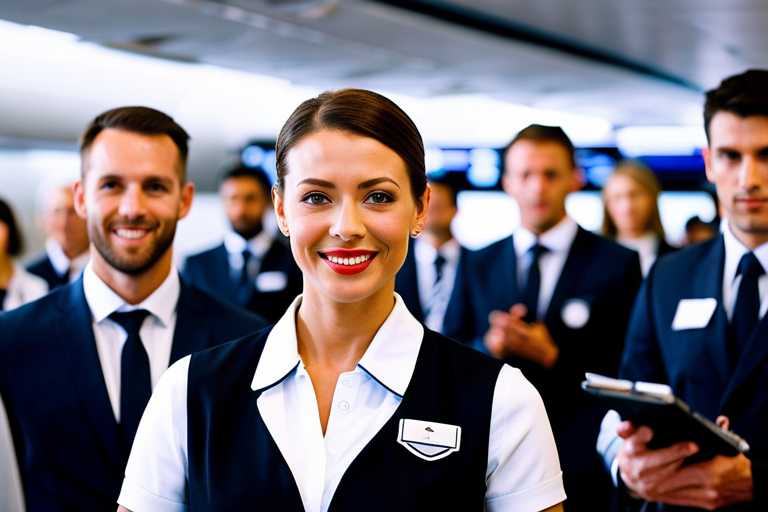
(234, 463)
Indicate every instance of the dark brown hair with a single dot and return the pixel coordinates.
(141, 120)
(643, 176)
(744, 95)
(542, 133)
(358, 112)
(15, 243)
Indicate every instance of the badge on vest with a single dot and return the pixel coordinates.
(429, 440)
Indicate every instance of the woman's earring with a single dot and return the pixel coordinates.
(415, 233)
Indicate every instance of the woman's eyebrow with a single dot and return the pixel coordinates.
(376, 181)
(317, 182)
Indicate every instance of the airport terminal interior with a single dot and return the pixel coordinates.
(619, 84)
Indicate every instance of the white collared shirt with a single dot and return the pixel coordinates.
(62, 264)
(558, 239)
(523, 472)
(236, 245)
(646, 246)
(156, 332)
(734, 250)
(434, 297)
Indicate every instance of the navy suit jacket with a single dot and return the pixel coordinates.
(44, 268)
(695, 362)
(210, 271)
(598, 273)
(407, 283)
(68, 445)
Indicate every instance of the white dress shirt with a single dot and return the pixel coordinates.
(62, 264)
(558, 239)
(434, 296)
(236, 245)
(23, 287)
(523, 472)
(156, 332)
(734, 250)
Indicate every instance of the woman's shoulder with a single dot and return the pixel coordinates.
(464, 353)
(228, 356)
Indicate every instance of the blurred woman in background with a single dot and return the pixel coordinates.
(17, 286)
(631, 216)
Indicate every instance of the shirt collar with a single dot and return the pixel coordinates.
(557, 238)
(258, 245)
(56, 255)
(103, 301)
(426, 254)
(390, 358)
(734, 250)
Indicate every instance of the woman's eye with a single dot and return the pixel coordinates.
(315, 199)
(379, 198)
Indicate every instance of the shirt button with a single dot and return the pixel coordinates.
(346, 383)
(333, 443)
(344, 405)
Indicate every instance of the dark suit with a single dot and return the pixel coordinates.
(210, 271)
(603, 275)
(44, 268)
(67, 442)
(695, 362)
(407, 284)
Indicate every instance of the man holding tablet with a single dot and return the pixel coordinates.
(699, 325)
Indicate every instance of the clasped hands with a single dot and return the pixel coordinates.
(659, 475)
(509, 335)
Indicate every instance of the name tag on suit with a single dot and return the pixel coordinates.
(271, 281)
(693, 314)
(429, 440)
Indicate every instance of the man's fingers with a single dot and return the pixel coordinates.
(498, 318)
(723, 422)
(518, 310)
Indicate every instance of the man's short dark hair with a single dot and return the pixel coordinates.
(256, 173)
(542, 133)
(15, 243)
(141, 120)
(447, 184)
(744, 95)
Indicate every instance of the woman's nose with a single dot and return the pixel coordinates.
(348, 223)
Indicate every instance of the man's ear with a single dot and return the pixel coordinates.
(79, 197)
(707, 155)
(187, 196)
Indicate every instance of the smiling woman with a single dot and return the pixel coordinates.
(348, 402)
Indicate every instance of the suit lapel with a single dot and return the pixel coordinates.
(191, 332)
(707, 281)
(221, 271)
(510, 288)
(575, 263)
(753, 358)
(78, 345)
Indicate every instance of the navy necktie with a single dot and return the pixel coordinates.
(135, 377)
(747, 307)
(245, 287)
(439, 262)
(533, 283)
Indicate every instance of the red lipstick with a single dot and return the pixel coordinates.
(343, 261)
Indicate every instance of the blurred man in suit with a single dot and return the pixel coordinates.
(699, 325)
(77, 367)
(249, 269)
(553, 300)
(425, 281)
(66, 248)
